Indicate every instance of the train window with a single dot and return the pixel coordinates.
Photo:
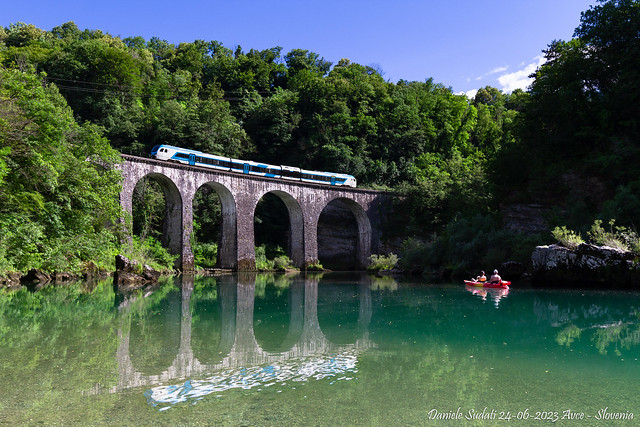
(291, 174)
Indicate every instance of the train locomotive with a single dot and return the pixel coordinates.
(198, 158)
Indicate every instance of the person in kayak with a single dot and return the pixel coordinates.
(495, 278)
(481, 277)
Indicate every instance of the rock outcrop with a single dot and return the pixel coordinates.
(10, 280)
(586, 266)
(130, 277)
(35, 276)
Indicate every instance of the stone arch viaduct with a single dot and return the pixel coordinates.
(239, 195)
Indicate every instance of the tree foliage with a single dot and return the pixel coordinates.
(582, 116)
(449, 156)
(58, 188)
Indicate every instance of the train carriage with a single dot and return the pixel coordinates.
(198, 158)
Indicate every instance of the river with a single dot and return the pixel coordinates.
(327, 349)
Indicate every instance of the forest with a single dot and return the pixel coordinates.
(71, 100)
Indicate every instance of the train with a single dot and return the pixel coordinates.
(198, 158)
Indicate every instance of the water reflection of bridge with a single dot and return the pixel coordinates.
(238, 341)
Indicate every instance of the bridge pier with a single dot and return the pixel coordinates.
(245, 234)
(186, 260)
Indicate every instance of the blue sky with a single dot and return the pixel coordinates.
(463, 44)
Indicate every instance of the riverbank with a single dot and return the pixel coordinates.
(38, 278)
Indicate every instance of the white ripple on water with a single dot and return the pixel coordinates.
(338, 366)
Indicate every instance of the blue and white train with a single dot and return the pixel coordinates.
(198, 158)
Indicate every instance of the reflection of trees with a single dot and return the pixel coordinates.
(383, 283)
(622, 336)
(619, 334)
(54, 343)
(154, 331)
(279, 281)
(204, 289)
(568, 335)
(206, 320)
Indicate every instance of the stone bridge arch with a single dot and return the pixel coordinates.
(172, 222)
(228, 244)
(363, 243)
(239, 195)
(295, 247)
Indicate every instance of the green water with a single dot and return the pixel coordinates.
(324, 350)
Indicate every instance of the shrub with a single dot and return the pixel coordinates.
(382, 262)
(282, 263)
(616, 237)
(205, 254)
(622, 238)
(315, 267)
(566, 237)
(151, 252)
(262, 263)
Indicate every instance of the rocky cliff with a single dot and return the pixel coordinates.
(586, 266)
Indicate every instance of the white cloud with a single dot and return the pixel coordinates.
(494, 71)
(470, 93)
(497, 70)
(520, 79)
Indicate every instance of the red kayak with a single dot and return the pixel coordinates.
(503, 285)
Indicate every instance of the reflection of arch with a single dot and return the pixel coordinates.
(238, 337)
(214, 327)
(356, 323)
(228, 244)
(155, 338)
(364, 229)
(293, 316)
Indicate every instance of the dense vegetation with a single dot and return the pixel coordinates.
(68, 95)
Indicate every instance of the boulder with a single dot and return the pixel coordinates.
(91, 271)
(10, 280)
(150, 274)
(585, 266)
(124, 264)
(129, 277)
(36, 277)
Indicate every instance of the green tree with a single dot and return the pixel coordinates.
(60, 190)
(581, 118)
